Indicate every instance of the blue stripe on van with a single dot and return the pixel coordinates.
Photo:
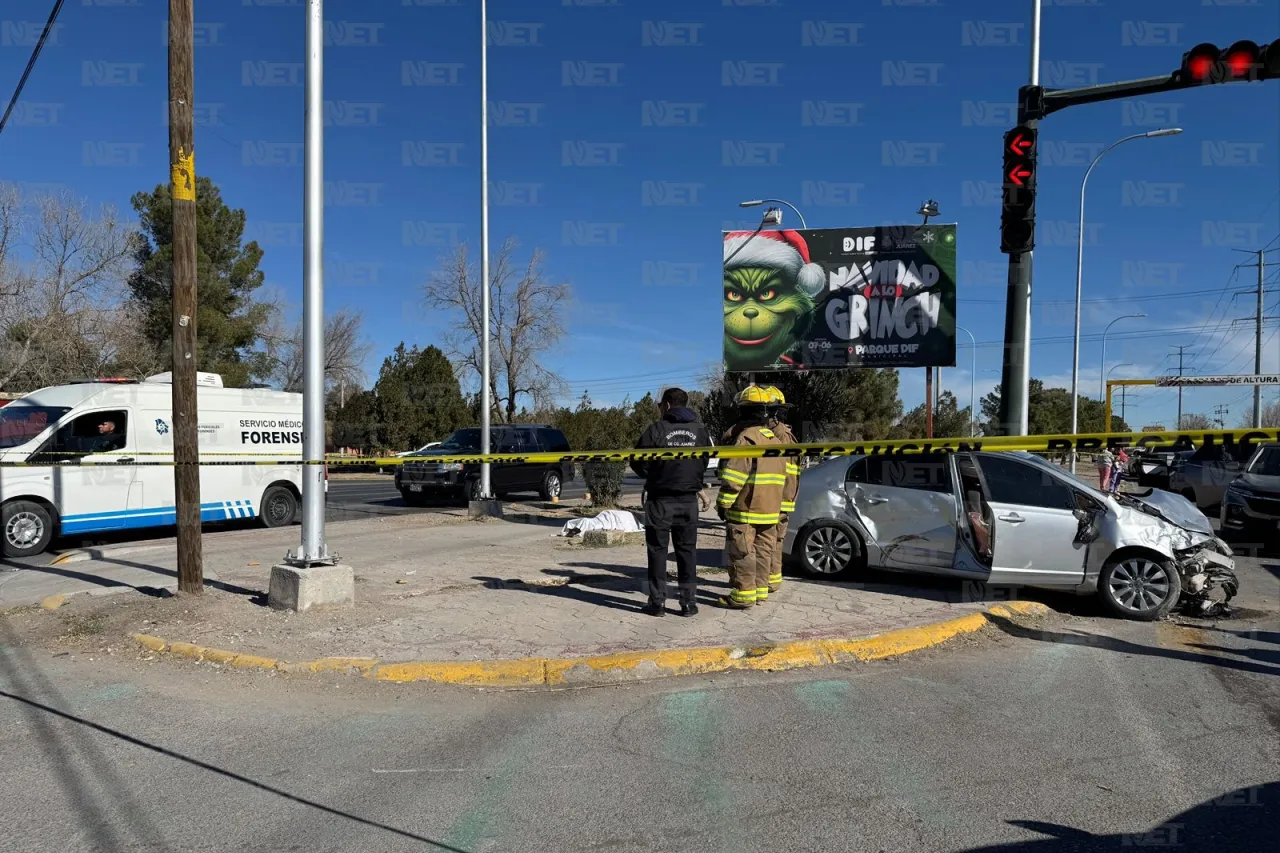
(154, 517)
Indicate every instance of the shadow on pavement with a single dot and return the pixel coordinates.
(110, 797)
(578, 593)
(255, 596)
(1239, 820)
(1114, 644)
(632, 573)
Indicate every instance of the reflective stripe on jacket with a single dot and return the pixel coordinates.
(751, 490)
(786, 436)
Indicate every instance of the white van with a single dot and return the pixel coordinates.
(87, 455)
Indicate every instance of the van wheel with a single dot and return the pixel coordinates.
(28, 529)
(550, 485)
(1140, 587)
(279, 507)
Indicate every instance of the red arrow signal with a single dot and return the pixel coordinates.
(1020, 145)
(1018, 175)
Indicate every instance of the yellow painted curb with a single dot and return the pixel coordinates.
(623, 666)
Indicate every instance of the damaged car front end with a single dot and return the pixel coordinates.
(1204, 560)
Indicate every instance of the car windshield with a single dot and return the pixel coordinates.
(19, 424)
(1267, 462)
(463, 439)
(1045, 463)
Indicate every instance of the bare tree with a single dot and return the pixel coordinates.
(1196, 421)
(63, 298)
(525, 322)
(345, 350)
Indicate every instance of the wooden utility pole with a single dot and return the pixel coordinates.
(182, 185)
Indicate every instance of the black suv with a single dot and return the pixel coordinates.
(420, 479)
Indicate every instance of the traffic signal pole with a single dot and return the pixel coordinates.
(1015, 376)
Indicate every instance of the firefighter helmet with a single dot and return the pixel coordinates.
(754, 395)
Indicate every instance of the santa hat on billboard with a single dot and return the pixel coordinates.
(783, 250)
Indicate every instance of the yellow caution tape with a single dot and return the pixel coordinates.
(1080, 442)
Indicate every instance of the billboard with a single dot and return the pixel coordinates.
(840, 297)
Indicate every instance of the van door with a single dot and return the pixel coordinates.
(92, 459)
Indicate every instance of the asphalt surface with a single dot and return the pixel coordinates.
(1073, 734)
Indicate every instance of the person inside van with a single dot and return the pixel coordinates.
(108, 440)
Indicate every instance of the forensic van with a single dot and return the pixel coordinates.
(97, 456)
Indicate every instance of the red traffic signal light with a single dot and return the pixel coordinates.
(1018, 210)
(1240, 59)
(1244, 60)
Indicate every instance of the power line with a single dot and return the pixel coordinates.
(31, 63)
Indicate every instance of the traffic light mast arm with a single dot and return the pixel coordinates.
(1033, 105)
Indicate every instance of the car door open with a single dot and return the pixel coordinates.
(1033, 523)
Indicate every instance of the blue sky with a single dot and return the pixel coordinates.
(607, 150)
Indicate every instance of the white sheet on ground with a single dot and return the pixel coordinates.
(609, 519)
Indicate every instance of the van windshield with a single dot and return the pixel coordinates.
(19, 424)
(463, 439)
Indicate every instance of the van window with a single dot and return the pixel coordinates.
(19, 424)
(93, 433)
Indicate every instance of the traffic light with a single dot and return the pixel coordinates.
(1018, 205)
(1206, 63)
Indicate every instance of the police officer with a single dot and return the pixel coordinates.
(671, 506)
(750, 502)
(777, 410)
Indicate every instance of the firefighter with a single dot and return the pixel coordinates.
(750, 501)
(777, 410)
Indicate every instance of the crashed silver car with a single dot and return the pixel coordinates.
(1009, 519)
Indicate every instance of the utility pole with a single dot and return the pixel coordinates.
(1180, 350)
(928, 402)
(1123, 393)
(182, 188)
(1221, 419)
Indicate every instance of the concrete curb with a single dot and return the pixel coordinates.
(624, 666)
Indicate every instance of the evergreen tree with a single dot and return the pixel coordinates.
(419, 399)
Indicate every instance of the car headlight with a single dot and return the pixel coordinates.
(1235, 491)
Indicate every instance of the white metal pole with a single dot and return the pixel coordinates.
(973, 371)
(486, 402)
(1257, 351)
(313, 544)
(1035, 42)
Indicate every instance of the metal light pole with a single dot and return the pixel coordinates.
(759, 201)
(1075, 349)
(313, 550)
(486, 402)
(973, 372)
(1102, 384)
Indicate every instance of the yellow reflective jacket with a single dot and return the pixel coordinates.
(751, 489)
(786, 436)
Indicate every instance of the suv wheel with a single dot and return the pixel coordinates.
(472, 490)
(1140, 587)
(551, 485)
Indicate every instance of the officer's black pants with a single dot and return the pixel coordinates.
(672, 519)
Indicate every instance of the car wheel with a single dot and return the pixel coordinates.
(828, 549)
(550, 485)
(472, 489)
(279, 507)
(1140, 587)
(1190, 494)
(28, 529)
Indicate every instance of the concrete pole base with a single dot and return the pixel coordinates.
(484, 509)
(316, 588)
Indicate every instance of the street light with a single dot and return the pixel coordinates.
(973, 371)
(1102, 386)
(1075, 350)
(485, 401)
(759, 201)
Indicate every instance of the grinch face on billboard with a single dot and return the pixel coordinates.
(764, 316)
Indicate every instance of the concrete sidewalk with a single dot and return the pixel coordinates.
(445, 589)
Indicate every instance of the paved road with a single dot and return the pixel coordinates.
(1077, 734)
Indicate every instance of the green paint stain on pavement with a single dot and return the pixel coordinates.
(692, 722)
(477, 828)
(107, 693)
(824, 697)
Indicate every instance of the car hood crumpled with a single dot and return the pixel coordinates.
(1174, 509)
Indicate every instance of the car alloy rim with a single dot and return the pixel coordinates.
(828, 550)
(553, 486)
(1139, 585)
(24, 529)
